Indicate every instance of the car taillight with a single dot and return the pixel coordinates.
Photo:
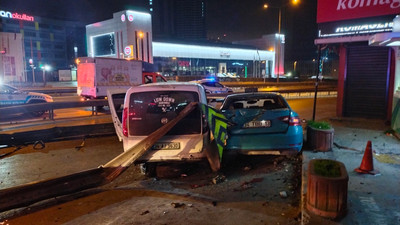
(125, 122)
(292, 121)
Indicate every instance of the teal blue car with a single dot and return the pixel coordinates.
(262, 124)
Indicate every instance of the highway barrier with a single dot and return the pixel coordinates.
(27, 194)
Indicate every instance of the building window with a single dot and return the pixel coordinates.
(29, 34)
(103, 45)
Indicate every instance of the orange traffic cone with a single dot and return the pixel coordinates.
(367, 164)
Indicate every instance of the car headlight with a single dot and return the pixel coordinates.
(49, 99)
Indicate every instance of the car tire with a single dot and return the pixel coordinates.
(148, 169)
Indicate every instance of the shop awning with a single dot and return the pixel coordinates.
(385, 39)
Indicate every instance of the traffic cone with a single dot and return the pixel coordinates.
(367, 164)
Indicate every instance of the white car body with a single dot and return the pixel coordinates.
(151, 106)
(213, 87)
(12, 96)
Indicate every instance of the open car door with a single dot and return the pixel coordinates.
(115, 99)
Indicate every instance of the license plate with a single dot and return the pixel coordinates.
(257, 124)
(166, 146)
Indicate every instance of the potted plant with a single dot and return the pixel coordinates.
(327, 188)
(320, 135)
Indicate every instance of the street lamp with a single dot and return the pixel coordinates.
(33, 69)
(266, 6)
(45, 68)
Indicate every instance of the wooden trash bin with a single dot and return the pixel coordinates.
(326, 191)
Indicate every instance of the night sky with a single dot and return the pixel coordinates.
(238, 20)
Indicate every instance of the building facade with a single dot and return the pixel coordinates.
(128, 35)
(174, 59)
(274, 43)
(368, 76)
(45, 41)
(12, 58)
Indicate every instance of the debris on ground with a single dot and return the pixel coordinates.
(278, 160)
(247, 168)
(81, 145)
(38, 145)
(218, 179)
(283, 194)
(344, 147)
(248, 184)
(197, 185)
(144, 212)
(177, 204)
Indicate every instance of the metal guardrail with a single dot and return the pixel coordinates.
(53, 91)
(50, 107)
(307, 92)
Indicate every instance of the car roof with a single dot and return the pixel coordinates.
(168, 85)
(171, 86)
(253, 94)
(203, 81)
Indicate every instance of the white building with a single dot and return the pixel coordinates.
(129, 35)
(12, 58)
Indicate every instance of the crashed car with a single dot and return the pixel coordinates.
(148, 107)
(263, 124)
(10, 96)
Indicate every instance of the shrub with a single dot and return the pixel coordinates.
(323, 125)
(326, 168)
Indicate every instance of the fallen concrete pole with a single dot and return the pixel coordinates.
(27, 194)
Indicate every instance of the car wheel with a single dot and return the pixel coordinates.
(148, 169)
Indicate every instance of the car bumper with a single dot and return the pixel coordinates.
(191, 149)
(270, 144)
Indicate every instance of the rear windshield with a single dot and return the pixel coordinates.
(257, 102)
(148, 111)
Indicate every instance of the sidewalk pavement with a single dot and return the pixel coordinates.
(371, 199)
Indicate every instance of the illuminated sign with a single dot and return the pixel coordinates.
(336, 10)
(184, 63)
(351, 28)
(130, 18)
(128, 50)
(17, 16)
(225, 54)
(123, 17)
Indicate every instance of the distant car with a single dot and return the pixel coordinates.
(264, 124)
(213, 87)
(12, 96)
(320, 77)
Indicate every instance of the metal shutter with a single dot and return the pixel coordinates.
(366, 84)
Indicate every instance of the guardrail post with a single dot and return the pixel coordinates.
(51, 114)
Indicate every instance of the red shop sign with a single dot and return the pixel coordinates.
(334, 10)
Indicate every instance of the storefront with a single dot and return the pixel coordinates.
(368, 78)
(173, 59)
(392, 39)
(128, 35)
